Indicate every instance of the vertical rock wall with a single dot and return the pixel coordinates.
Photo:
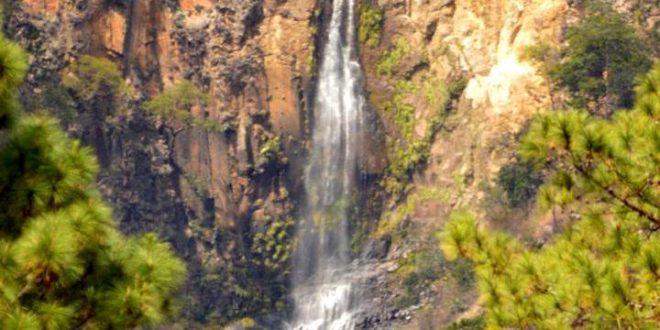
(222, 199)
(447, 76)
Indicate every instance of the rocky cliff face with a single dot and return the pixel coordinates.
(458, 68)
(449, 91)
(223, 198)
(453, 85)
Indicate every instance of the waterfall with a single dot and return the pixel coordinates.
(323, 291)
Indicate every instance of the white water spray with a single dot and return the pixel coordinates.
(323, 290)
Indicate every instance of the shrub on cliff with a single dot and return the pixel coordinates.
(520, 182)
(369, 27)
(173, 108)
(603, 270)
(603, 57)
(93, 76)
(63, 264)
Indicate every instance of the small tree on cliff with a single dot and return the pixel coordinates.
(63, 265)
(173, 107)
(603, 270)
(603, 57)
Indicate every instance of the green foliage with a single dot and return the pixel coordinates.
(425, 267)
(418, 271)
(602, 60)
(41, 174)
(391, 58)
(199, 185)
(615, 159)
(176, 101)
(173, 107)
(311, 51)
(270, 147)
(402, 112)
(270, 153)
(273, 246)
(542, 54)
(456, 87)
(392, 219)
(53, 99)
(520, 182)
(63, 264)
(247, 322)
(407, 151)
(468, 324)
(13, 66)
(402, 161)
(90, 77)
(371, 19)
(463, 271)
(602, 270)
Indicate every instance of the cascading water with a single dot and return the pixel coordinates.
(323, 289)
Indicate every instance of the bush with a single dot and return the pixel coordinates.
(173, 106)
(418, 270)
(463, 272)
(407, 152)
(602, 60)
(55, 100)
(520, 182)
(369, 28)
(175, 102)
(477, 323)
(94, 76)
(391, 58)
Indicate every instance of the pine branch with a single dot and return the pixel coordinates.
(610, 191)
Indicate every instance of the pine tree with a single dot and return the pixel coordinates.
(603, 270)
(63, 264)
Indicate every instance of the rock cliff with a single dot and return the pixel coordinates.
(222, 197)
(450, 91)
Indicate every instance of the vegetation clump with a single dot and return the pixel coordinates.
(273, 246)
(407, 151)
(369, 27)
(520, 182)
(391, 58)
(392, 219)
(600, 63)
(418, 270)
(173, 107)
(63, 264)
(270, 147)
(477, 323)
(602, 270)
(93, 76)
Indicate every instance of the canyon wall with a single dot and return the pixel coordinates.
(450, 92)
(224, 199)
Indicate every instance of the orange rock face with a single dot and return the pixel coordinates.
(41, 7)
(169, 56)
(286, 61)
(192, 5)
(113, 28)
